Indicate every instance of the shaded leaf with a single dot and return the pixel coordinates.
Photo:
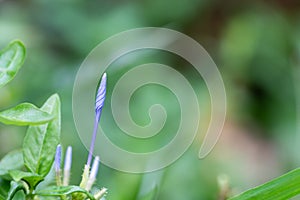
(11, 59)
(40, 142)
(63, 190)
(30, 178)
(5, 185)
(25, 114)
(283, 187)
(12, 160)
(14, 188)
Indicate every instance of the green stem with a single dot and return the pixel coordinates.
(29, 197)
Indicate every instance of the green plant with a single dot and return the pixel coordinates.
(23, 169)
(283, 187)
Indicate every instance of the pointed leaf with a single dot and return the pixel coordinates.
(283, 187)
(11, 59)
(30, 178)
(25, 114)
(63, 190)
(40, 142)
(12, 160)
(14, 188)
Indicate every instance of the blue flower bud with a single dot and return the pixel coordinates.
(100, 96)
(67, 166)
(98, 109)
(57, 158)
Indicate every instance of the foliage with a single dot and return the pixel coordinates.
(256, 45)
(24, 169)
(43, 136)
(11, 59)
(283, 187)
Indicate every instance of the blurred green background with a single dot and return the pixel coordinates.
(255, 44)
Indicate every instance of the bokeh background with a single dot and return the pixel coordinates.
(255, 44)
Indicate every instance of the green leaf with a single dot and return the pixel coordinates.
(12, 160)
(283, 187)
(25, 114)
(30, 178)
(40, 142)
(5, 185)
(11, 59)
(14, 188)
(64, 190)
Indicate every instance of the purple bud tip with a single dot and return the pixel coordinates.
(57, 158)
(68, 159)
(101, 95)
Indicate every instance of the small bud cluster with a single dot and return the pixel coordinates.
(89, 173)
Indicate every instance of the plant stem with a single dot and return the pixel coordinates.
(30, 196)
(93, 139)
